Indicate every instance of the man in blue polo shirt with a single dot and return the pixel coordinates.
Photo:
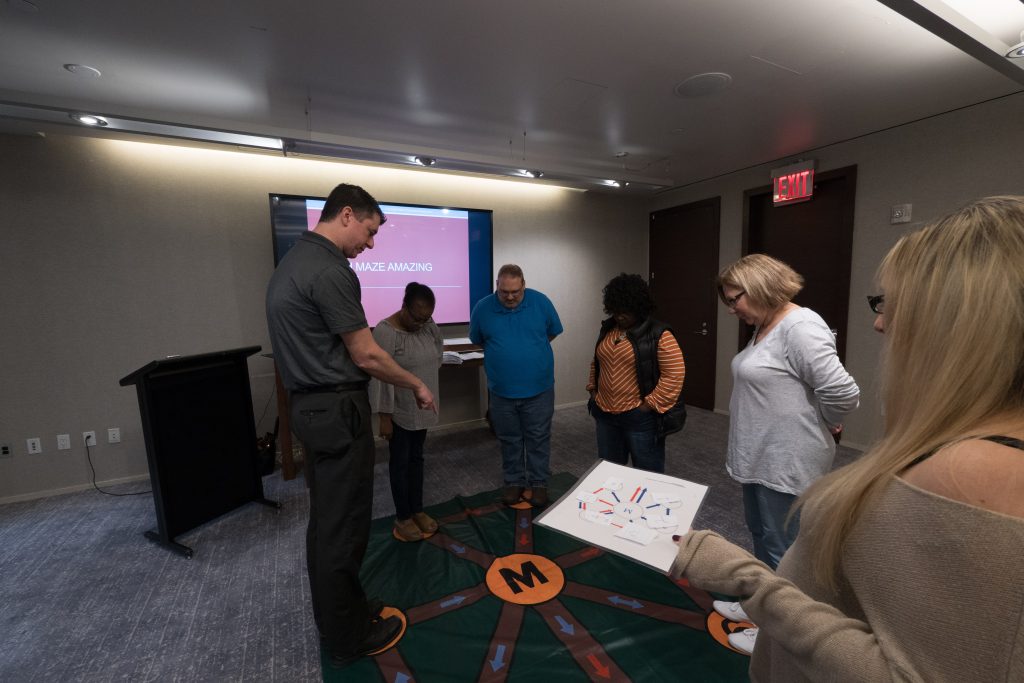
(515, 326)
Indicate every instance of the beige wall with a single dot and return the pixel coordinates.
(116, 253)
(937, 165)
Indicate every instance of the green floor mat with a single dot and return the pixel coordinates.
(491, 597)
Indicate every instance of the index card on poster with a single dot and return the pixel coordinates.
(630, 512)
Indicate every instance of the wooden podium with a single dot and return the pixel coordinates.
(200, 439)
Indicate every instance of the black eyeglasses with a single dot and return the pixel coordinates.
(731, 302)
(877, 303)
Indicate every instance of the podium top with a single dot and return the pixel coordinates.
(184, 362)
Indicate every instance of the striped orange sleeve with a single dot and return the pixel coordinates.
(672, 369)
(591, 384)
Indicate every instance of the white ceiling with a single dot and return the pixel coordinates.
(563, 86)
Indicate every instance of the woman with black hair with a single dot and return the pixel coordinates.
(635, 387)
(410, 336)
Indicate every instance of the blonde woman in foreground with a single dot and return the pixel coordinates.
(909, 565)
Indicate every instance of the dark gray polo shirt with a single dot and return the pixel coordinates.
(313, 297)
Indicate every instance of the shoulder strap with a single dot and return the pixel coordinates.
(1005, 441)
(1001, 440)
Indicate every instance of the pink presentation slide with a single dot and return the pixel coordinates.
(425, 245)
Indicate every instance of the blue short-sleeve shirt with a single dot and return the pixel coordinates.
(517, 351)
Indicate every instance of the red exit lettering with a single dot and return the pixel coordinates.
(794, 187)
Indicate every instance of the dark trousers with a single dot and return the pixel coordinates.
(406, 469)
(632, 433)
(335, 431)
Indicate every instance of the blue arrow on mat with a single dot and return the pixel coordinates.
(619, 601)
(401, 677)
(457, 548)
(566, 626)
(523, 523)
(499, 658)
(456, 600)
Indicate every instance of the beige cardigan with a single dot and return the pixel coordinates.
(931, 590)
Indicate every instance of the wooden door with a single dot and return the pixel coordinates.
(684, 263)
(815, 238)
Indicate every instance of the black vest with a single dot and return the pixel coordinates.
(644, 338)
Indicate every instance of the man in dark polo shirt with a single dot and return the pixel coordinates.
(326, 354)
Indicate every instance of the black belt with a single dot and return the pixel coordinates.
(334, 388)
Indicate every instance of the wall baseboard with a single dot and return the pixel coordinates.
(71, 489)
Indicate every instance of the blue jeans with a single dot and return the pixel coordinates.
(632, 433)
(405, 467)
(523, 426)
(766, 511)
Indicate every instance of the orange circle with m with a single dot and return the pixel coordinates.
(525, 579)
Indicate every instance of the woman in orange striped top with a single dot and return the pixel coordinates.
(636, 378)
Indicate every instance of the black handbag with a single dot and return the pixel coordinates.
(673, 419)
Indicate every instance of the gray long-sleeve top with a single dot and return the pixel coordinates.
(787, 390)
(418, 352)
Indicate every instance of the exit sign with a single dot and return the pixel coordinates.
(792, 184)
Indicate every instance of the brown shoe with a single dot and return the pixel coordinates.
(425, 523)
(406, 530)
(510, 495)
(539, 496)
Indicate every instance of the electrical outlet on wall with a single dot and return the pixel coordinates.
(63, 442)
(34, 446)
(114, 435)
(89, 438)
(5, 450)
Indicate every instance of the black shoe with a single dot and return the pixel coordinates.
(510, 495)
(380, 635)
(373, 605)
(539, 497)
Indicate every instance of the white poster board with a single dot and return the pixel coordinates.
(630, 512)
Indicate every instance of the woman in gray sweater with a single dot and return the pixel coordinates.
(410, 336)
(790, 395)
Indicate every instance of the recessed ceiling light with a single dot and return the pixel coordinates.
(703, 84)
(83, 70)
(621, 155)
(424, 161)
(613, 183)
(89, 119)
(1016, 52)
(532, 174)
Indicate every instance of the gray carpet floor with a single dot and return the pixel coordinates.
(85, 597)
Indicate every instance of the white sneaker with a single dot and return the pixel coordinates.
(732, 611)
(744, 640)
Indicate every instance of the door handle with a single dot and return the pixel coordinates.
(703, 331)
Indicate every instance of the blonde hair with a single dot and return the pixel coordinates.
(767, 282)
(954, 327)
